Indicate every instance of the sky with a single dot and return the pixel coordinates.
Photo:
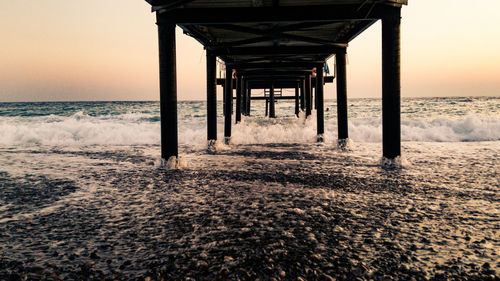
(94, 50)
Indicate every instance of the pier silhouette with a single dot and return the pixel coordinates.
(276, 44)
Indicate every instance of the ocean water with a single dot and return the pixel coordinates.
(129, 123)
(82, 194)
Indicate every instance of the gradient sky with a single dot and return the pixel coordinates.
(59, 50)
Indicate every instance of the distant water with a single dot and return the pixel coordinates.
(456, 119)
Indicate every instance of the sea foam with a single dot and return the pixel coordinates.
(141, 128)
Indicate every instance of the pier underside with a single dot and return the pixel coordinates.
(279, 44)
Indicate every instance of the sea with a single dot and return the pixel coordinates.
(460, 119)
(83, 193)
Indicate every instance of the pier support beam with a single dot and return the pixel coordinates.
(391, 84)
(302, 95)
(245, 97)
(320, 109)
(267, 106)
(239, 93)
(314, 96)
(228, 106)
(224, 99)
(249, 100)
(168, 90)
(211, 100)
(308, 95)
(297, 99)
(272, 112)
(342, 125)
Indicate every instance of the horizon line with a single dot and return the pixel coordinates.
(200, 100)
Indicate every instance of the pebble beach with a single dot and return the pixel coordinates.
(249, 212)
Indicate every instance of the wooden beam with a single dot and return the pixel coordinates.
(281, 50)
(201, 37)
(275, 97)
(263, 58)
(327, 79)
(276, 71)
(170, 2)
(158, 5)
(300, 25)
(276, 65)
(244, 42)
(277, 84)
(269, 34)
(309, 13)
(357, 31)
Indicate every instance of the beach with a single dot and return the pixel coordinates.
(253, 140)
(273, 212)
(281, 207)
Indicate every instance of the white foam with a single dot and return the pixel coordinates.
(466, 129)
(77, 129)
(138, 128)
(173, 163)
(396, 163)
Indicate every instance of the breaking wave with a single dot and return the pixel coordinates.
(144, 128)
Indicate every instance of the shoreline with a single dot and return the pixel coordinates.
(282, 211)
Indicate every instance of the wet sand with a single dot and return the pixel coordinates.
(268, 212)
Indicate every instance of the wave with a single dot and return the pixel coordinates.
(143, 128)
(467, 129)
(79, 129)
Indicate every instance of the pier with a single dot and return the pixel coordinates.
(276, 44)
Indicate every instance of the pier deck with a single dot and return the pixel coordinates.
(266, 42)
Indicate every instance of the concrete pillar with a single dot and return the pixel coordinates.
(320, 109)
(272, 112)
(308, 95)
(302, 95)
(343, 134)
(249, 101)
(224, 99)
(244, 96)
(314, 95)
(391, 84)
(238, 98)
(297, 99)
(229, 104)
(168, 90)
(211, 99)
(267, 106)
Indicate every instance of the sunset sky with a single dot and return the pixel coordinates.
(59, 50)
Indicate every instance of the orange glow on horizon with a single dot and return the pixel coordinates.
(94, 50)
